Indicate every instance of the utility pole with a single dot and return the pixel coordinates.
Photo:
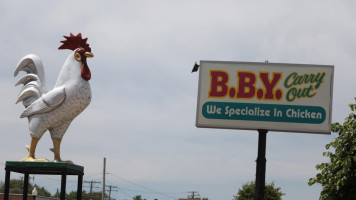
(104, 172)
(194, 195)
(91, 187)
(110, 189)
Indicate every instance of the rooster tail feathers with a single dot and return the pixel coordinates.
(26, 79)
(34, 85)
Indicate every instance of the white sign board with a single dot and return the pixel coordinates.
(271, 96)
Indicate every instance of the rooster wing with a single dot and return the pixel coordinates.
(48, 102)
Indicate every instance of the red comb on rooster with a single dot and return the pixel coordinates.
(54, 110)
(74, 42)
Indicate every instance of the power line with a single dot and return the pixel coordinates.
(126, 194)
(103, 187)
(194, 195)
(110, 189)
(92, 175)
(91, 186)
(143, 187)
(149, 192)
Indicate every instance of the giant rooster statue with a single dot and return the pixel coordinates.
(54, 110)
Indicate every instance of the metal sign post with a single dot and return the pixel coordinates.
(261, 165)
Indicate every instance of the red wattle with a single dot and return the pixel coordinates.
(85, 71)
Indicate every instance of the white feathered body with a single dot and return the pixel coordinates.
(53, 110)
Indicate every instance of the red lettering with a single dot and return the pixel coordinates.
(218, 83)
(270, 85)
(246, 86)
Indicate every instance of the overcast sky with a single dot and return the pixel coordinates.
(142, 114)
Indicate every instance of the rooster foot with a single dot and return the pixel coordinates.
(55, 150)
(31, 159)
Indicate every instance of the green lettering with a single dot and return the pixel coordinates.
(319, 79)
(286, 84)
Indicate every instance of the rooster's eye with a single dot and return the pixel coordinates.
(78, 57)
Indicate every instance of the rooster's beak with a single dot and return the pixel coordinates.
(89, 54)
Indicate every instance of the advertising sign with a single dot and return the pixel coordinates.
(271, 96)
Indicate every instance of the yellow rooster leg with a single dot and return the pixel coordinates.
(31, 151)
(56, 150)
